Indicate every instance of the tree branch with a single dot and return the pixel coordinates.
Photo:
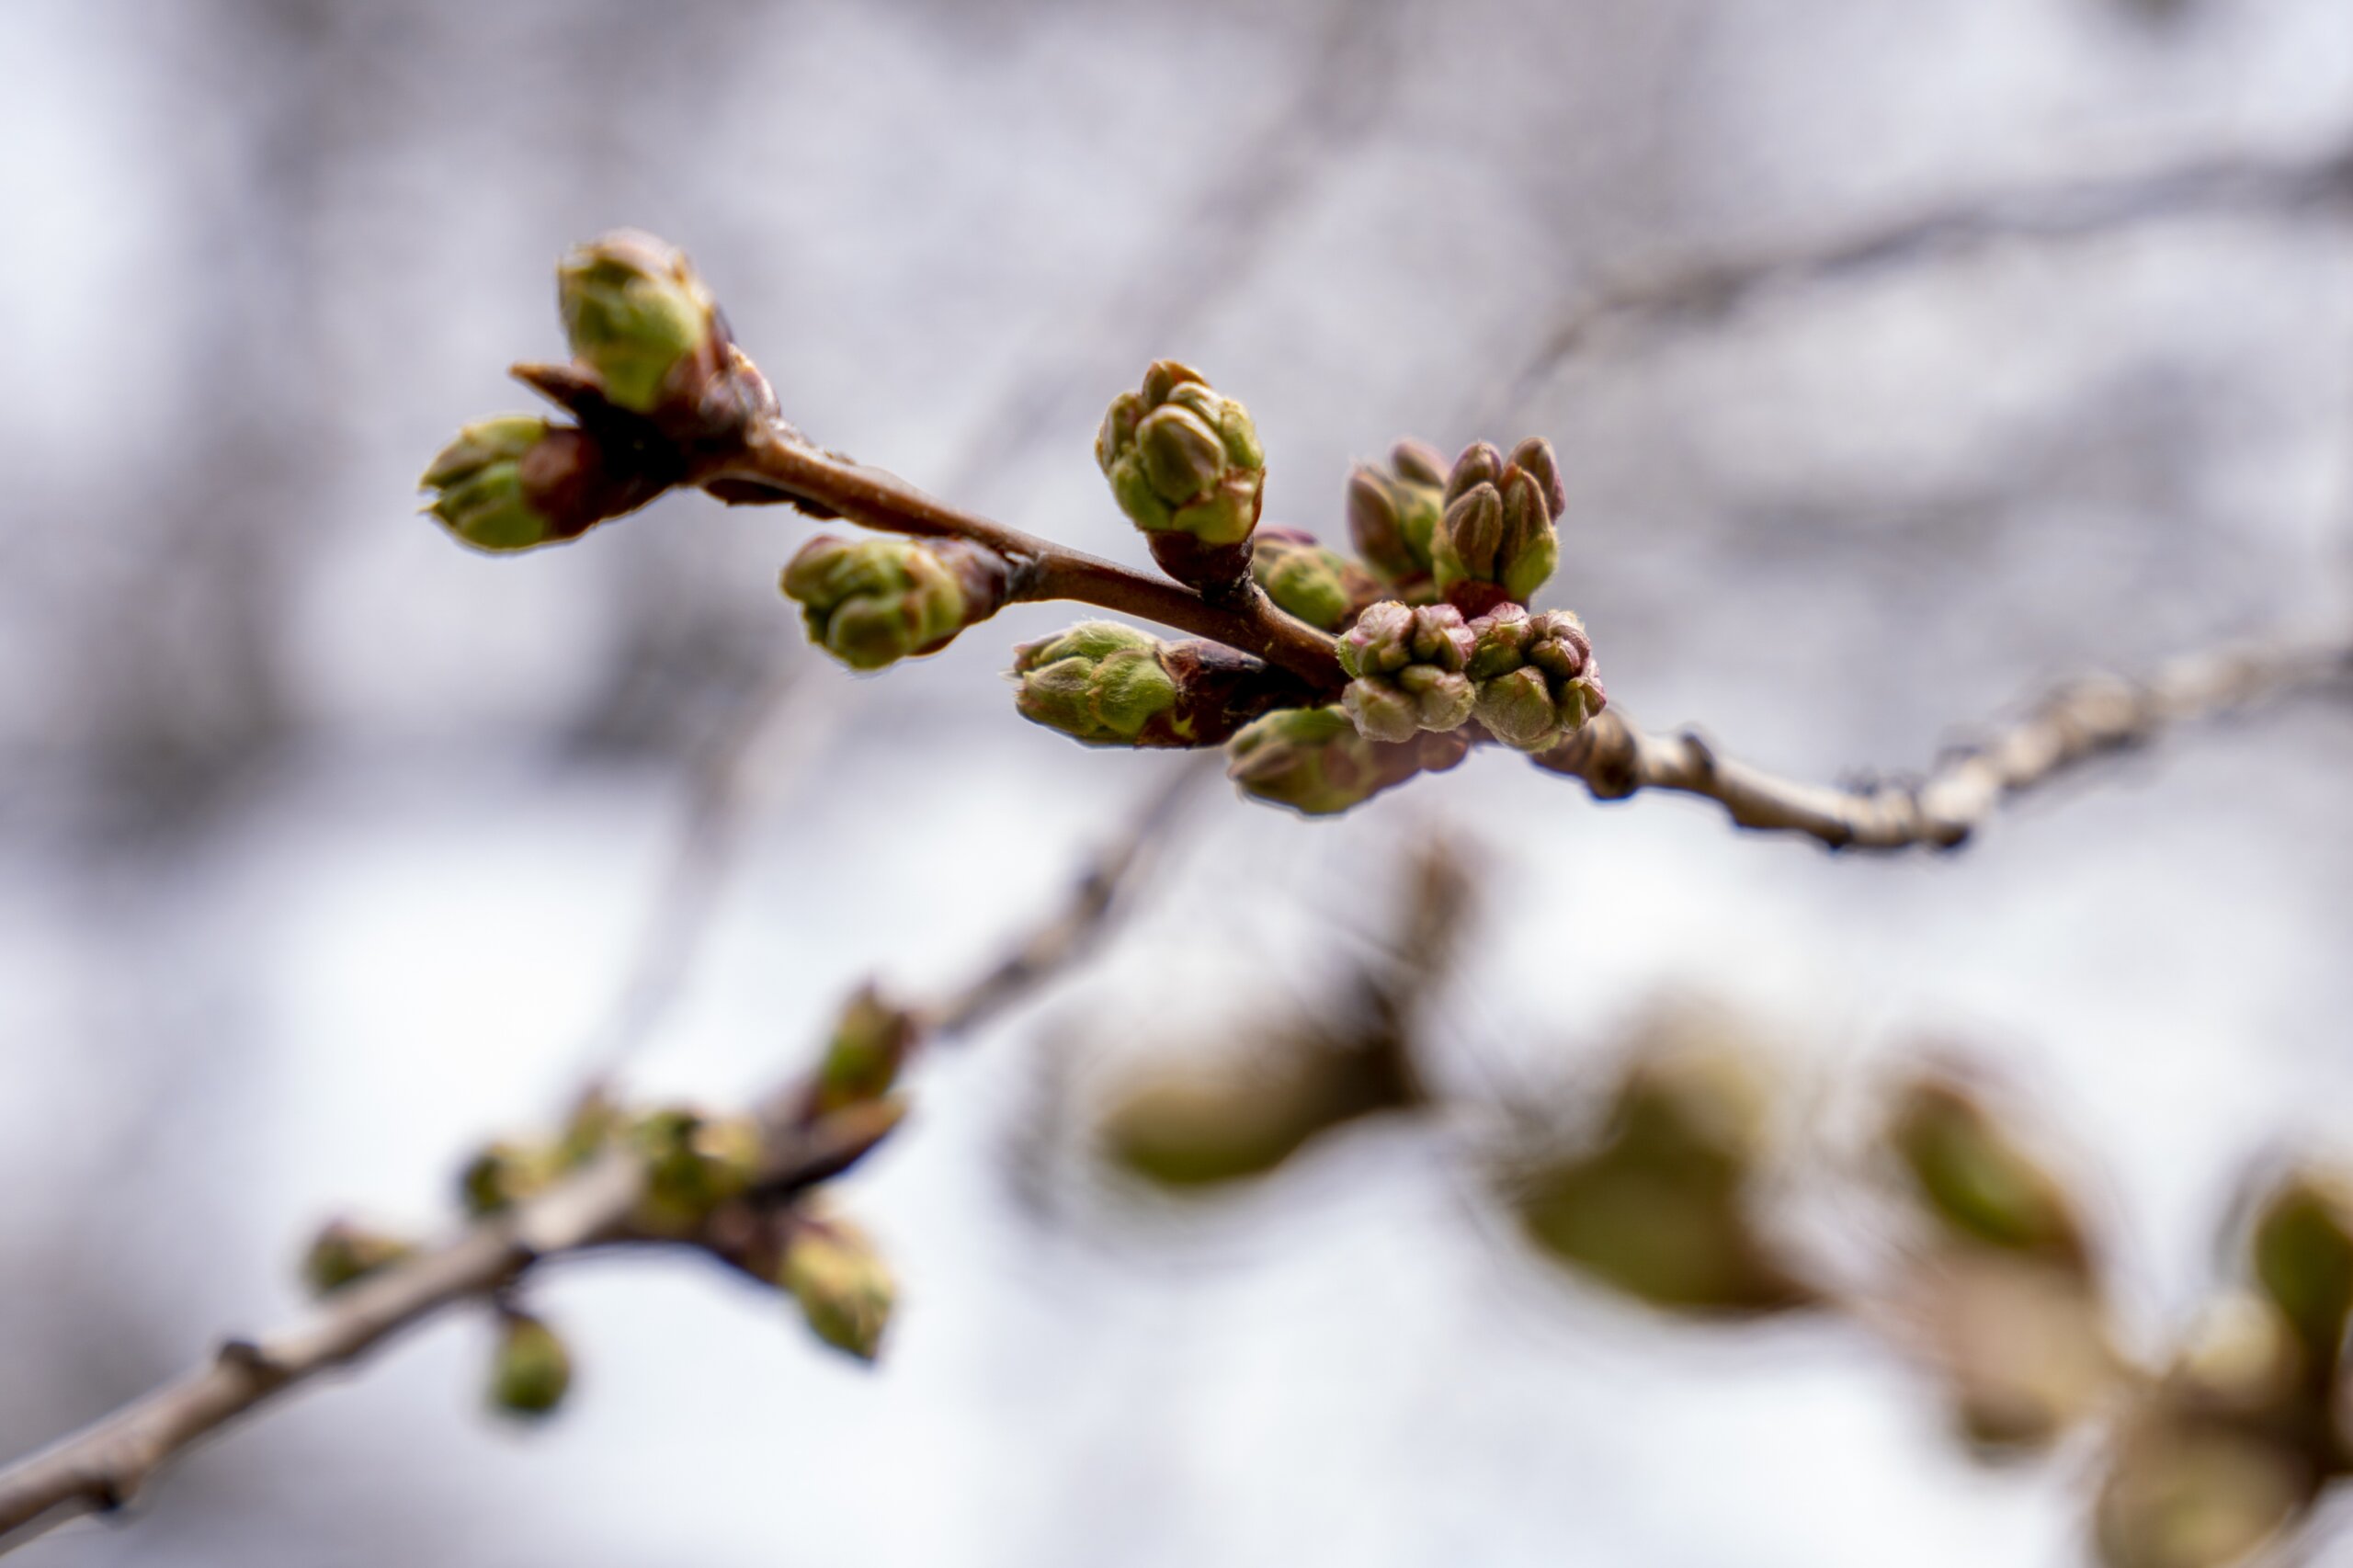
(2083, 721)
(101, 1468)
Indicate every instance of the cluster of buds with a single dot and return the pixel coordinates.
(1535, 674)
(871, 602)
(1393, 514)
(1186, 466)
(693, 1164)
(1107, 684)
(1318, 585)
(1406, 670)
(1496, 541)
(1315, 761)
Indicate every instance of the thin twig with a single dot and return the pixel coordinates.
(101, 1468)
(2081, 721)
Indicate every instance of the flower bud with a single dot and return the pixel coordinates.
(693, 1164)
(640, 318)
(1394, 515)
(1199, 1127)
(1408, 665)
(1106, 683)
(1315, 761)
(870, 1044)
(502, 1175)
(1975, 1180)
(844, 1287)
(2301, 1248)
(1497, 540)
(530, 1371)
(1181, 457)
(1320, 587)
(871, 602)
(1535, 675)
(517, 480)
(344, 1253)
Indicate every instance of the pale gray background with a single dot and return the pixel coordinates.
(327, 847)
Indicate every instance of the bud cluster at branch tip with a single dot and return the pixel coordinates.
(1535, 675)
(1184, 465)
(641, 321)
(530, 1371)
(871, 602)
(1497, 540)
(845, 1289)
(1316, 762)
(1393, 516)
(1318, 585)
(1407, 664)
(517, 480)
(693, 1164)
(1107, 684)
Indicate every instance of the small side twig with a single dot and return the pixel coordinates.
(2086, 719)
(103, 1467)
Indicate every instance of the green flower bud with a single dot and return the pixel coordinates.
(1099, 682)
(2301, 1248)
(344, 1253)
(1535, 675)
(870, 1044)
(2186, 1492)
(1315, 761)
(1182, 459)
(517, 480)
(1320, 587)
(502, 1175)
(1393, 514)
(693, 1164)
(640, 318)
(871, 602)
(1408, 665)
(1197, 1126)
(1497, 540)
(530, 1371)
(844, 1287)
(1976, 1181)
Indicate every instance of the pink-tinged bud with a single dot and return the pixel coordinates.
(1407, 662)
(1535, 675)
(1498, 540)
(1315, 761)
(1394, 515)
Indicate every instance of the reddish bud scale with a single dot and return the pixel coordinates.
(1219, 691)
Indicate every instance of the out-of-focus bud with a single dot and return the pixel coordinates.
(595, 1119)
(517, 480)
(641, 320)
(502, 1175)
(1320, 587)
(1976, 1181)
(1535, 673)
(1106, 683)
(844, 1287)
(1497, 540)
(1198, 1127)
(2243, 1359)
(2186, 1492)
(1315, 761)
(693, 1164)
(344, 1253)
(2302, 1244)
(871, 1042)
(2022, 1344)
(1661, 1206)
(1394, 513)
(530, 1371)
(1407, 666)
(1186, 466)
(871, 602)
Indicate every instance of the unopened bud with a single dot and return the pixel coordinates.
(1320, 587)
(693, 1164)
(871, 602)
(1976, 1181)
(1106, 683)
(344, 1253)
(1315, 761)
(1535, 674)
(1182, 458)
(844, 1287)
(502, 1175)
(517, 480)
(640, 318)
(2186, 1492)
(1198, 1127)
(1407, 662)
(2303, 1257)
(871, 1042)
(1497, 540)
(530, 1371)
(1394, 513)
